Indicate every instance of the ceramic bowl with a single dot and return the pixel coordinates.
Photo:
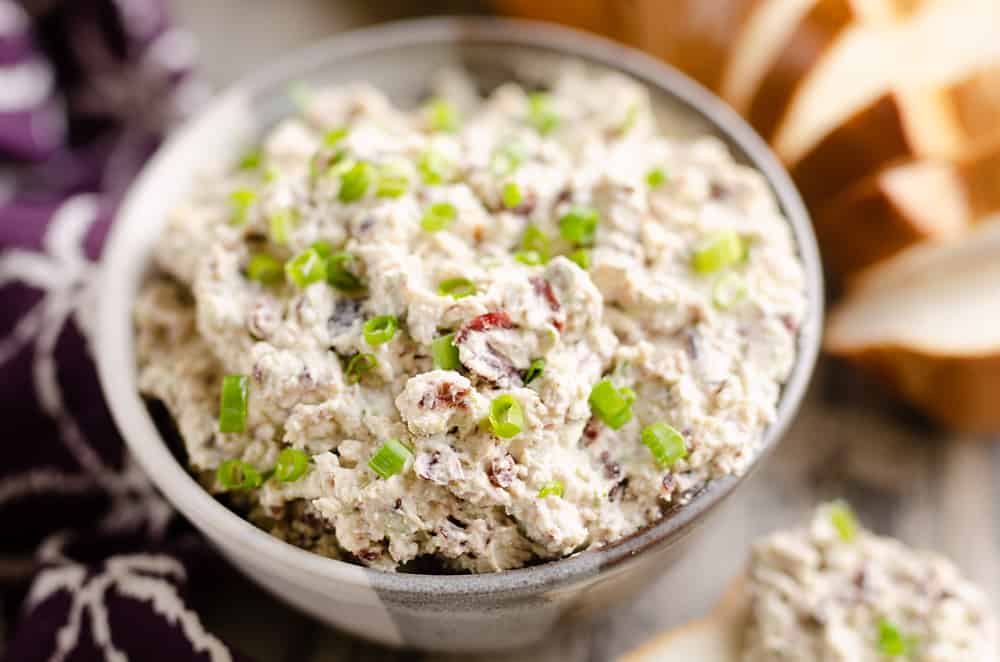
(436, 612)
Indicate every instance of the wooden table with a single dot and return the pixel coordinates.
(903, 476)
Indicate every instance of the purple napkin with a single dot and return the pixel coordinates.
(93, 565)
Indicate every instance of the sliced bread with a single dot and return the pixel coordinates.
(927, 324)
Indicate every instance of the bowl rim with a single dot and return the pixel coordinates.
(114, 346)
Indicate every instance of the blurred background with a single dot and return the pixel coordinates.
(886, 114)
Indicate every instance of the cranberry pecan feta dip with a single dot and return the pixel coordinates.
(836, 592)
(487, 332)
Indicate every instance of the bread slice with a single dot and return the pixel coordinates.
(716, 638)
(938, 44)
(929, 199)
(927, 324)
(901, 124)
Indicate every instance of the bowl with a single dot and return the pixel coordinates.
(435, 612)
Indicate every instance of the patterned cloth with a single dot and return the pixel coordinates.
(93, 566)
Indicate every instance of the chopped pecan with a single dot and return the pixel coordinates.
(502, 470)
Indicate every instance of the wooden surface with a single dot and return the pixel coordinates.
(904, 477)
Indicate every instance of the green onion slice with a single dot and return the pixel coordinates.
(358, 366)
(581, 257)
(530, 258)
(380, 329)
(553, 487)
(389, 459)
(511, 195)
(628, 121)
(534, 371)
(728, 290)
(323, 248)
(282, 221)
(442, 115)
(720, 250)
(438, 216)
(238, 475)
(611, 405)
(456, 288)
(241, 201)
(435, 167)
(541, 115)
(265, 269)
(444, 353)
(579, 225)
(506, 416)
(656, 178)
(251, 159)
(892, 642)
(665, 443)
(354, 183)
(507, 158)
(536, 240)
(393, 180)
(233, 403)
(291, 465)
(844, 521)
(306, 268)
(338, 274)
(333, 137)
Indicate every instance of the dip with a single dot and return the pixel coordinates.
(836, 592)
(483, 333)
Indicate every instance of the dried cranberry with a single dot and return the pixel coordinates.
(486, 322)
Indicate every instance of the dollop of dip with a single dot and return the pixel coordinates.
(837, 593)
(485, 332)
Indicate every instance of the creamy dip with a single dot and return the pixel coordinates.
(835, 592)
(624, 308)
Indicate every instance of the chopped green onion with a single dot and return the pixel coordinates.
(581, 257)
(251, 159)
(323, 248)
(507, 159)
(435, 167)
(359, 365)
(535, 371)
(628, 122)
(729, 289)
(265, 269)
(843, 520)
(611, 405)
(892, 642)
(338, 275)
(241, 201)
(511, 195)
(506, 416)
(438, 216)
(389, 459)
(306, 268)
(553, 487)
(380, 329)
(722, 249)
(656, 178)
(444, 353)
(536, 240)
(233, 403)
(442, 115)
(665, 443)
(456, 288)
(530, 258)
(238, 475)
(540, 113)
(291, 465)
(354, 183)
(334, 136)
(301, 94)
(579, 225)
(281, 222)
(393, 181)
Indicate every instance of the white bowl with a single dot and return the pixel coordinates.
(442, 612)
